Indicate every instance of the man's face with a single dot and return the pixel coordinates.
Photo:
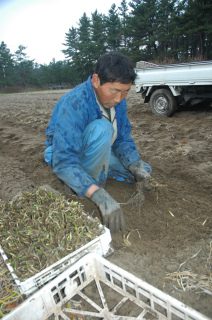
(110, 93)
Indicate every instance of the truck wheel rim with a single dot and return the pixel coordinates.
(161, 105)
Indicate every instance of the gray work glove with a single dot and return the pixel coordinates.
(112, 214)
(140, 173)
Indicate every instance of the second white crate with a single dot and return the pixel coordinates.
(94, 288)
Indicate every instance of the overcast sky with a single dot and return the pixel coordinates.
(40, 25)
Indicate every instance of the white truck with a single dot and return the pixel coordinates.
(165, 87)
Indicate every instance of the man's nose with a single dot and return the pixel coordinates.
(118, 97)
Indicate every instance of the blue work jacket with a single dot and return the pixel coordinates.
(74, 111)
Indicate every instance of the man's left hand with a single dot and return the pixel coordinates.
(140, 173)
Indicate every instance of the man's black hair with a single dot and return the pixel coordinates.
(114, 67)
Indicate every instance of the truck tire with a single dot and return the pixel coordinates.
(163, 103)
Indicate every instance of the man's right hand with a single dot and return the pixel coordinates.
(112, 214)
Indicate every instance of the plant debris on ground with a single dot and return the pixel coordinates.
(39, 228)
(190, 281)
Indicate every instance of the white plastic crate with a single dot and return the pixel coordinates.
(99, 245)
(94, 288)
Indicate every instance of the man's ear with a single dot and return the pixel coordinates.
(95, 81)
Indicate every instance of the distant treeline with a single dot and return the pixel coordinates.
(160, 31)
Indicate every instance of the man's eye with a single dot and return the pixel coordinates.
(122, 92)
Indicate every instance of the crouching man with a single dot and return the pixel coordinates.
(89, 137)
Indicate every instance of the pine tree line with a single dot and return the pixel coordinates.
(151, 30)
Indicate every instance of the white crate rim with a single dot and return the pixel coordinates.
(95, 268)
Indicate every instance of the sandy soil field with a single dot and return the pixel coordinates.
(169, 232)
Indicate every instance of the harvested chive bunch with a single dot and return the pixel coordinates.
(40, 228)
(10, 296)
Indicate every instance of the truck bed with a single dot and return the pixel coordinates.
(183, 74)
